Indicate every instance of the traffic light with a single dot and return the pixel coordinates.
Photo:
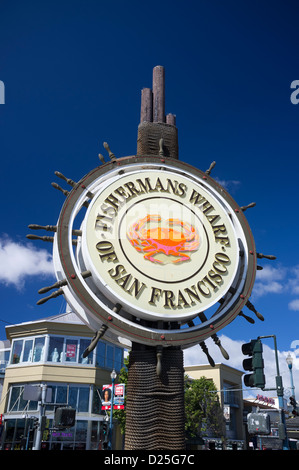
(254, 363)
(35, 423)
(105, 430)
(295, 410)
(65, 417)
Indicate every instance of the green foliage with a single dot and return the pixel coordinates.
(203, 412)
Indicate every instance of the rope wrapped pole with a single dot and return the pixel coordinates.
(155, 416)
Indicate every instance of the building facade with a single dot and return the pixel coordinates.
(48, 354)
(228, 382)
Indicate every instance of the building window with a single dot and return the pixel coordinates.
(230, 397)
(64, 350)
(109, 356)
(4, 358)
(28, 350)
(61, 394)
(74, 438)
(81, 431)
(71, 350)
(17, 403)
(73, 397)
(38, 350)
(79, 398)
(55, 353)
(118, 358)
(101, 354)
(84, 343)
(83, 400)
(16, 351)
(76, 396)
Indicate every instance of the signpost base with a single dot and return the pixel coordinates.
(155, 403)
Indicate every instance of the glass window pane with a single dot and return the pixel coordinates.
(100, 356)
(61, 395)
(109, 356)
(22, 404)
(28, 351)
(16, 351)
(118, 355)
(14, 399)
(55, 349)
(10, 430)
(73, 397)
(32, 405)
(4, 358)
(96, 402)
(84, 343)
(81, 431)
(20, 428)
(53, 394)
(38, 353)
(95, 435)
(71, 350)
(83, 399)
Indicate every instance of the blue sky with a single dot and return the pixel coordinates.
(73, 73)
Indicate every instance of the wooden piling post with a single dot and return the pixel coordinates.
(158, 94)
(146, 112)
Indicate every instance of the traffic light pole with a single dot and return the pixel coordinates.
(279, 390)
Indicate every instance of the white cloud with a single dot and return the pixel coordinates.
(19, 261)
(270, 273)
(229, 185)
(277, 280)
(294, 305)
(261, 289)
(269, 280)
(294, 281)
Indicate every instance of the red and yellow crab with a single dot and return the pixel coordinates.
(166, 239)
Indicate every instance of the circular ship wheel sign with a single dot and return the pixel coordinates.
(169, 255)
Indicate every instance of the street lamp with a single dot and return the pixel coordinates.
(113, 377)
(289, 360)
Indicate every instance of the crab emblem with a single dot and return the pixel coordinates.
(165, 239)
